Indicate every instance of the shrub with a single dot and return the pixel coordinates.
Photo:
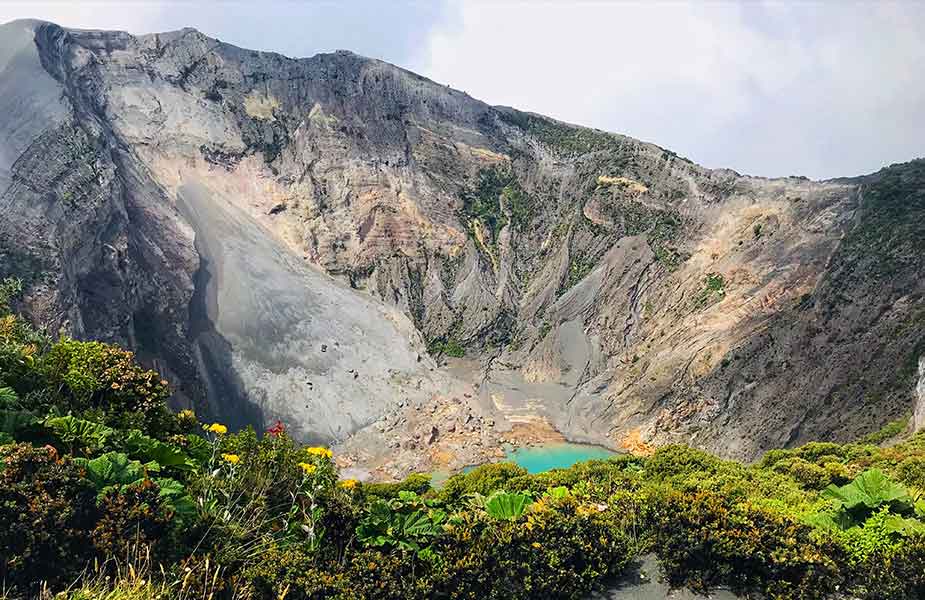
(704, 542)
(911, 471)
(46, 510)
(558, 553)
(419, 483)
(809, 475)
(894, 573)
(106, 379)
(134, 516)
(681, 461)
(481, 480)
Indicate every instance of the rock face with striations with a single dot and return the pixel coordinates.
(228, 213)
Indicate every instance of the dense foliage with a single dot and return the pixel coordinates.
(102, 485)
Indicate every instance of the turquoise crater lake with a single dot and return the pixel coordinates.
(536, 459)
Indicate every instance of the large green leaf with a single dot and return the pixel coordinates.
(504, 506)
(112, 468)
(400, 525)
(173, 493)
(12, 421)
(840, 520)
(417, 524)
(903, 526)
(198, 448)
(870, 490)
(8, 398)
(79, 432)
(150, 449)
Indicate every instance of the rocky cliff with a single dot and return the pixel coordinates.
(298, 239)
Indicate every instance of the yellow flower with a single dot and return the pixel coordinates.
(186, 414)
(535, 545)
(232, 458)
(318, 451)
(308, 468)
(217, 428)
(348, 484)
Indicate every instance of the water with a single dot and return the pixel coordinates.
(537, 459)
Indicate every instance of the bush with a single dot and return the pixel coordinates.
(895, 573)
(911, 471)
(705, 542)
(811, 476)
(47, 509)
(681, 461)
(419, 483)
(105, 380)
(481, 480)
(133, 516)
(560, 552)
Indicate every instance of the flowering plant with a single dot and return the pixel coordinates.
(277, 430)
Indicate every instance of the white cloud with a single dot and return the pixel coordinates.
(817, 89)
(135, 16)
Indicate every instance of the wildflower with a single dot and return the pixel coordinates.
(217, 428)
(277, 430)
(319, 451)
(186, 414)
(232, 458)
(308, 468)
(348, 484)
(536, 545)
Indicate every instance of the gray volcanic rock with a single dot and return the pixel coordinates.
(30, 99)
(228, 213)
(304, 348)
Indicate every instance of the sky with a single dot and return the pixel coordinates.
(821, 89)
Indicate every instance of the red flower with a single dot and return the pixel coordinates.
(277, 429)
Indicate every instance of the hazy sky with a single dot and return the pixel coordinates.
(819, 89)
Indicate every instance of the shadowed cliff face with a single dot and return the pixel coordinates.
(194, 200)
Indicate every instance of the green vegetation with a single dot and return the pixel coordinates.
(494, 201)
(889, 431)
(579, 266)
(661, 228)
(450, 347)
(545, 328)
(567, 139)
(714, 288)
(888, 239)
(106, 494)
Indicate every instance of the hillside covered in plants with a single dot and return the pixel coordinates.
(107, 494)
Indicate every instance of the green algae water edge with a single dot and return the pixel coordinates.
(536, 459)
